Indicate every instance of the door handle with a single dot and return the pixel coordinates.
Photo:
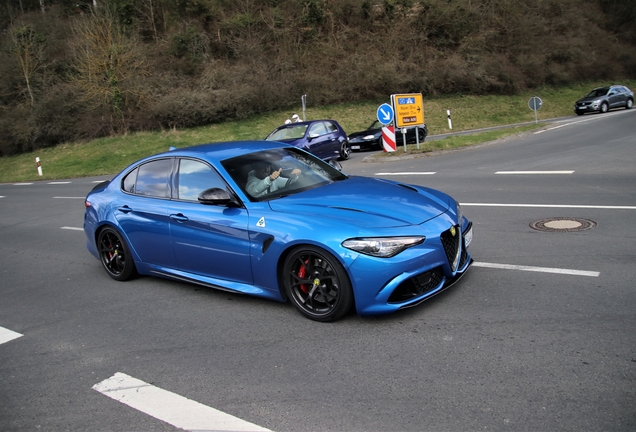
(179, 217)
(124, 209)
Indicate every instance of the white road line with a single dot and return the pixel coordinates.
(404, 173)
(597, 207)
(62, 197)
(566, 124)
(59, 183)
(170, 407)
(2, 196)
(538, 269)
(22, 184)
(72, 228)
(7, 335)
(534, 172)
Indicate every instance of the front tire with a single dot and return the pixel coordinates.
(317, 284)
(629, 104)
(604, 107)
(115, 255)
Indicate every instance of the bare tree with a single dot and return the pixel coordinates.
(28, 47)
(106, 61)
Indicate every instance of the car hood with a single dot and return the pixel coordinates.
(365, 133)
(367, 202)
(590, 99)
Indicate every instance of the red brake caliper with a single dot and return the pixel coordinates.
(302, 273)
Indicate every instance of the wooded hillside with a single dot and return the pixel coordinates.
(86, 68)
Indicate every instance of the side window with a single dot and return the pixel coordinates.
(317, 129)
(331, 128)
(129, 181)
(194, 177)
(152, 179)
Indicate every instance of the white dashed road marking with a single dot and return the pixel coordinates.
(533, 172)
(538, 269)
(404, 173)
(72, 228)
(169, 407)
(598, 207)
(62, 197)
(7, 335)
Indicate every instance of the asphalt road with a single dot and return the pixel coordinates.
(538, 336)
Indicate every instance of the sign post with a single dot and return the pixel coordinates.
(535, 103)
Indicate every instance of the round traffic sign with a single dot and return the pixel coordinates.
(535, 103)
(385, 114)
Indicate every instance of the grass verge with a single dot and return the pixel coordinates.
(107, 156)
(455, 142)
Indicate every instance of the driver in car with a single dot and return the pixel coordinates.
(263, 179)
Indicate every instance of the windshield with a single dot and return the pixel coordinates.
(288, 132)
(296, 170)
(598, 92)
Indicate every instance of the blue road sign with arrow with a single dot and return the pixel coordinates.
(385, 114)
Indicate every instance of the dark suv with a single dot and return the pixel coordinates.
(603, 99)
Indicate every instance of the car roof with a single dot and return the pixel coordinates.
(304, 123)
(223, 150)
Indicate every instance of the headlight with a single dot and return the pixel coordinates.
(382, 247)
(368, 137)
(460, 212)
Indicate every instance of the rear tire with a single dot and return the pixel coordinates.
(115, 255)
(629, 104)
(421, 135)
(345, 150)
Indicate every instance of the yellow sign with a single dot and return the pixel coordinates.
(409, 109)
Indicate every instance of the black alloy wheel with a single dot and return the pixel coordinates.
(317, 284)
(115, 255)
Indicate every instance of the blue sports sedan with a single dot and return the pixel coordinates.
(271, 220)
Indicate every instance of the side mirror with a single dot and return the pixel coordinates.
(334, 163)
(219, 197)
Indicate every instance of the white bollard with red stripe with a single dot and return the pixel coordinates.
(388, 139)
(37, 162)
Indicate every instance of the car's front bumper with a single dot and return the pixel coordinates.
(585, 108)
(423, 272)
(362, 144)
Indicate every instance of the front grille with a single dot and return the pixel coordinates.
(451, 245)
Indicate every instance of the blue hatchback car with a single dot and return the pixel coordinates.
(271, 220)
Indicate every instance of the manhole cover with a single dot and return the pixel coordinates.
(563, 224)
